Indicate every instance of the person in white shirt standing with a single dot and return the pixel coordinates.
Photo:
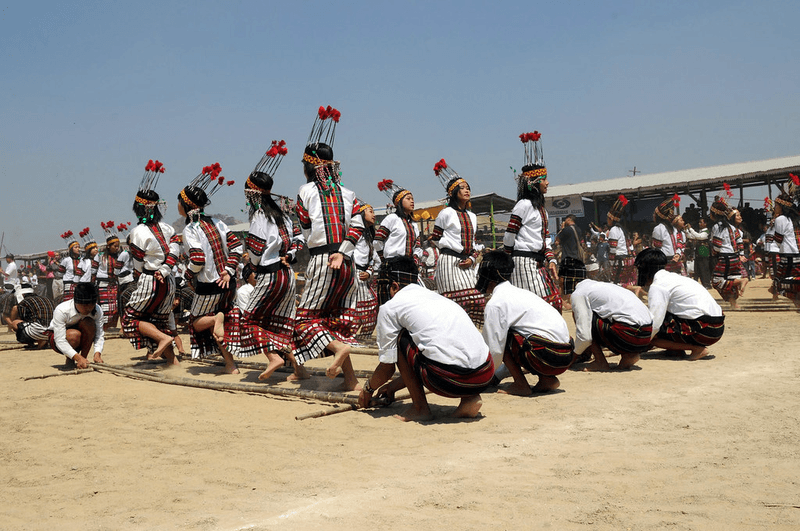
(612, 317)
(521, 329)
(10, 273)
(433, 343)
(397, 234)
(668, 234)
(685, 315)
(77, 325)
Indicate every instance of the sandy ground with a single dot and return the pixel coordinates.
(674, 445)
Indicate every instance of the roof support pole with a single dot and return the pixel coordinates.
(491, 222)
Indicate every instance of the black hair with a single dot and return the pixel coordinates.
(667, 225)
(321, 151)
(197, 196)
(453, 198)
(648, 263)
(85, 293)
(147, 214)
(248, 270)
(400, 269)
(265, 201)
(497, 267)
(528, 190)
(399, 210)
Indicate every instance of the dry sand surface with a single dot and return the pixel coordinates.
(711, 444)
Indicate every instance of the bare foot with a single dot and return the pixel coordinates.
(627, 362)
(698, 353)
(300, 373)
(413, 414)
(229, 369)
(597, 366)
(517, 389)
(219, 328)
(275, 361)
(546, 384)
(469, 407)
(338, 358)
(163, 345)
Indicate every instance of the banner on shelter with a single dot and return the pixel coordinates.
(560, 207)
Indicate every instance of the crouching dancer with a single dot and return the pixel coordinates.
(76, 325)
(521, 329)
(685, 315)
(433, 342)
(610, 316)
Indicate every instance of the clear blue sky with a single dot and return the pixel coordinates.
(92, 90)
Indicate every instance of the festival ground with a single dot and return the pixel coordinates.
(671, 445)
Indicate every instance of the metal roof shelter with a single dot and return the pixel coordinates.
(694, 183)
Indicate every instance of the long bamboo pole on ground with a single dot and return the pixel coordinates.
(338, 409)
(263, 366)
(85, 371)
(324, 396)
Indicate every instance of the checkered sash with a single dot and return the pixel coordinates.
(107, 297)
(443, 379)
(703, 331)
(215, 242)
(619, 337)
(538, 355)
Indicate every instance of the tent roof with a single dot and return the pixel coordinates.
(754, 173)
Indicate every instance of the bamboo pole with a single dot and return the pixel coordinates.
(324, 396)
(63, 373)
(263, 366)
(333, 410)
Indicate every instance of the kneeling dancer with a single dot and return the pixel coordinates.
(685, 315)
(432, 341)
(612, 317)
(76, 325)
(522, 329)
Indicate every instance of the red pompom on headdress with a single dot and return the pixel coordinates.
(676, 200)
(152, 170)
(727, 188)
(271, 160)
(622, 199)
(445, 173)
(385, 184)
(795, 179)
(534, 155)
(209, 180)
(324, 130)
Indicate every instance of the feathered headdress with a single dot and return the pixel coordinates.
(616, 209)
(123, 228)
(446, 175)
(720, 208)
(790, 193)
(110, 231)
(324, 128)
(272, 158)
(667, 210)
(87, 239)
(533, 156)
(209, 179)
(388, 187)
(323, 131)
(152, 171)
(69, 239)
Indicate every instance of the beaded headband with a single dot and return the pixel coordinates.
(458, 182)
(394, 192)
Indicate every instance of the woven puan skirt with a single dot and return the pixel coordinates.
(209, 300)
(268, 320)
(533, 276)
(327, 307)
(458, 285)
(151, 301)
